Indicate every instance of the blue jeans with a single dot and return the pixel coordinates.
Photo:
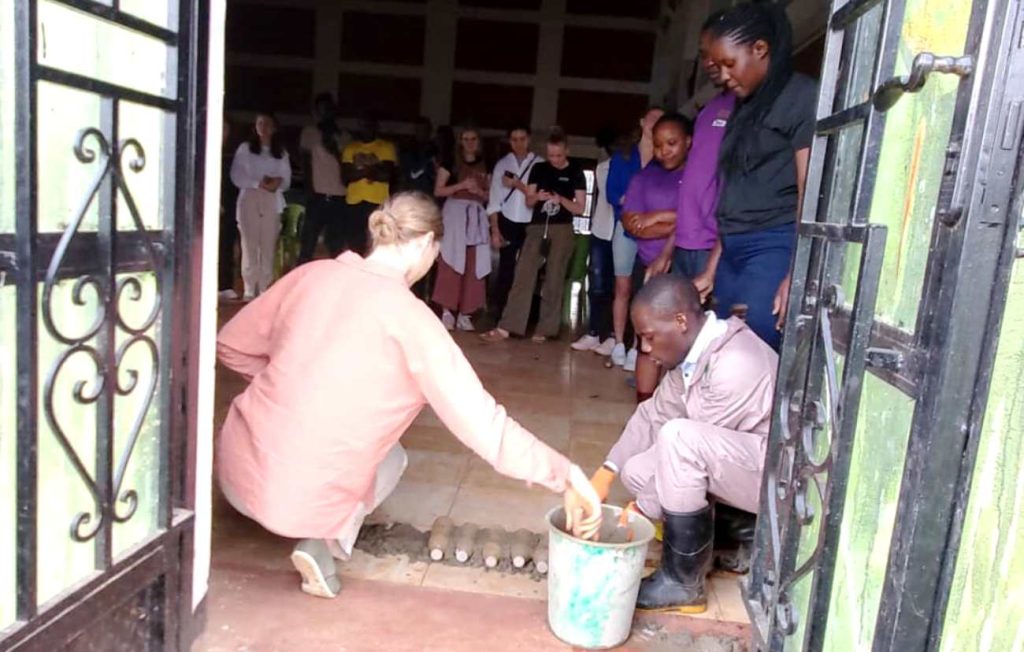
(749, 273)
(689, 262)
(602, 287)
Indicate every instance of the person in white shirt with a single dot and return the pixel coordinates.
(321, 144)
(599, 337)
(507, 209)
(261, 172)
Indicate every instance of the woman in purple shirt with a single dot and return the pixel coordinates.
(649, 214)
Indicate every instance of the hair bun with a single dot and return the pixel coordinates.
(383, 227)
(404, 216)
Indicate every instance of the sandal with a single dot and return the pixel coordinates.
(538, 339)
(494, 335)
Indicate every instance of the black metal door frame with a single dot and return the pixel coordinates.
(945, 364)
(152, 583)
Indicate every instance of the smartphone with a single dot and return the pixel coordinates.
(509, 174)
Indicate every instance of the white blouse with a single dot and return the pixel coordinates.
(248, 169)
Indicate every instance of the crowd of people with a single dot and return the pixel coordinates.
(691, 240)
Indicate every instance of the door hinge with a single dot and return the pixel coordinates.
(948, 211)
(887, 359)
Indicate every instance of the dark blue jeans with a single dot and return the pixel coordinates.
(749, 273)
(689, 262)
(601, 272)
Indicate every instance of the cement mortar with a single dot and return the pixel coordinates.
(381, 540)
(653, 638)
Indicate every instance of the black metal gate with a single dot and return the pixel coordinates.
(106, 140)
(937, 351)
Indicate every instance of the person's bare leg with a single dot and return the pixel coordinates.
(620, 306)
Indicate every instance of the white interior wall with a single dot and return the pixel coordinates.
(208, 307)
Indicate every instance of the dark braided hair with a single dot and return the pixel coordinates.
(745, 24)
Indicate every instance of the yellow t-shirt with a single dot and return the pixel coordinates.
(374, 192)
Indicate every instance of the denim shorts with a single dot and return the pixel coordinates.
(623, 251)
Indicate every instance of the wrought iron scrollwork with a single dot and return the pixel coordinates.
(111, 376)
(815, 422)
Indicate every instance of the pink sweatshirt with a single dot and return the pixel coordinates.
(342, 358)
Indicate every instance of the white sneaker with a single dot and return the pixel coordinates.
(448, 319)
(605, 348)
(248, 297)
(630, 364)
(619, 354)
(586, 343)
(464, 323)
(227, 295)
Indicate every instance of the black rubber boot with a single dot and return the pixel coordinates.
(734, 538)
(678, 584)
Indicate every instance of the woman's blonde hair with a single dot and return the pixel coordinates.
(403, 217)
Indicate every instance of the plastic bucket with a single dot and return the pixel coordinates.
(592, 585)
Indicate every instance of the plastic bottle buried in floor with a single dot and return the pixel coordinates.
(440, 542)
(493, 546)
(593, 585)
(465, 542)
(521, 547)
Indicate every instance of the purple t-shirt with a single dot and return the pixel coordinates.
(652, 189)
(696, 226)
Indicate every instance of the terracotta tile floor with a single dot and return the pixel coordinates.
(568, 399)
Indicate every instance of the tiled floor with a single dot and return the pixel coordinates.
(567, 399)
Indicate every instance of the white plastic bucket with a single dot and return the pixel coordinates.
(592, 585)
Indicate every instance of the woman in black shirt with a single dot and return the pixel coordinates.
(556, 191)
(762, 165)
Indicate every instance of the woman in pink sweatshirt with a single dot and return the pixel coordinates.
(341, 357)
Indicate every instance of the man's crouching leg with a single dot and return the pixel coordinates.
(681, 480)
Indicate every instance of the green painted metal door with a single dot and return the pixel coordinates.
(899, 284)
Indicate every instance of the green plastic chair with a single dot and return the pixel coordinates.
(289, 243)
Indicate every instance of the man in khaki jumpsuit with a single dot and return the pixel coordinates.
(703, 432)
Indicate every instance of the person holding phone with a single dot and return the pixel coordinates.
(507, 209)
(556, 191)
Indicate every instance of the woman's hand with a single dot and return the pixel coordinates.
(661, 265)
(781, 303)
(636, 223)
(705, 283)
(497, 241)
(582, 506)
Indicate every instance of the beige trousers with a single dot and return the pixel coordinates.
(259, 225)
(520, 298)
(690, 460)
(389, 473)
